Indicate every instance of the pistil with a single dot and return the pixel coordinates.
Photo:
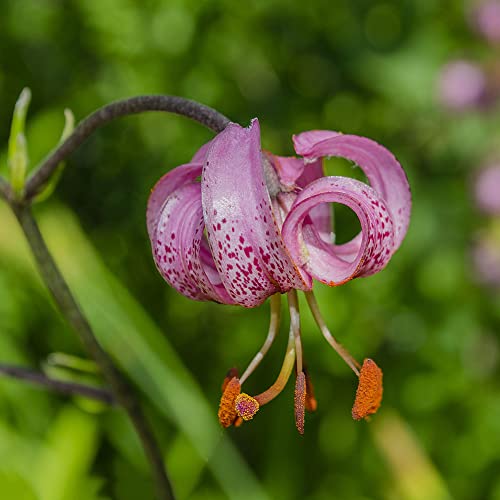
(286, 370)
(247, 406)
(293, 306)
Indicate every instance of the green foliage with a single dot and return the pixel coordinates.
(17, 154)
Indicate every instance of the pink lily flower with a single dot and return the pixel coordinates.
(259, 225)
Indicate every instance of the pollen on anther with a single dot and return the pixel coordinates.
(311, 402)
(227, 412)
(246, 406)
(369, 391)
(231, 373)
(300, 401)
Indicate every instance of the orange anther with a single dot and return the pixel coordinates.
(227, 412)
(311, 402)
(300, 401)
(369, 392)
(231, 373)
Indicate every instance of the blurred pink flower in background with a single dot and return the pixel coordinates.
(486, 19)
(462, 85)
(486, 260)
(487, 189)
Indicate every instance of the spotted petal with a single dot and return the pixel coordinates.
(199, 156)
(171, 181)
(178, 247)
(296, 173)
(243, 234)
(288, 168)
(383, 171)
(322, 260)
(179, 176)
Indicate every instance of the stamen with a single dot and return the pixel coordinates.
(246, 406)
(293, 306)
(274, 325)
(311, 402)
(300, 401)
(227, 412)
(341, 350)
(369, 392)
(231, 373)
(284, 375)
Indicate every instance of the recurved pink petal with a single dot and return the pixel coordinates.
(295, 173)
(171, 181)
(243, 235)
(199, 156)
(321, 215)
(322, 260)
(178, 247)
(177, 177)
(288, 168)
(306, 141)
(383, 171)
(170, 241)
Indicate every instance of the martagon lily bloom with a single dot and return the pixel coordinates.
(259, 225)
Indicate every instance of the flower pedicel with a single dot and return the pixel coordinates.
(259, 225)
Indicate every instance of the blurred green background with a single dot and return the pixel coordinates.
(358, 66)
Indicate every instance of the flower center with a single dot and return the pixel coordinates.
(273, 183)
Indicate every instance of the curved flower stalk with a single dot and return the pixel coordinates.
(258, 225)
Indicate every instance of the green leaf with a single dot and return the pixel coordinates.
(17, 154)
(48, 189)
(72, 362)
(64, 463)
(14, 486)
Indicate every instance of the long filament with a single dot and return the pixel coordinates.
(293, 305)
(341, 351)
(284, 375)
(274, 326)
